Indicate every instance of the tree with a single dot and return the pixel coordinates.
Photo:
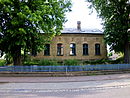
(116, 17)
(21, 23)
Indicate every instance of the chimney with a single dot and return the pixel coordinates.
(79, 25)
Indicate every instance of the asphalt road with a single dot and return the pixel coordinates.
(108, 86)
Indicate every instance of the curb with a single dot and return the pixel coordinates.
(62, 74)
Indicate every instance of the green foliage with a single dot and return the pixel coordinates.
(30, 63)
(95, 62)
(8, 58)
(118, 61)
(45, 62)
(41, 62)
(52, 62)
(22, 21)
(71, 62)
(2, 62)
(115, 14)
(104, 61)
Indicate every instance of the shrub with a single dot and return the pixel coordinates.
(2, 62)
(71, 62)
(101, 61)
(45, 62)
(30, 61)
(9, 59)
(95, 62)
(118, 61)
(104, 61)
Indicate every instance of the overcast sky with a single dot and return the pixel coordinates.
(80, 12)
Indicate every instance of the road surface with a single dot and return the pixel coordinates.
(103, 86)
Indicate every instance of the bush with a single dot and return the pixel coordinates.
(49, 62)
(118, 61)
(2, 62)
(30, 61)
(45, 62)
(95, 62)
(71, 62)
(9, 59)
(104, 61)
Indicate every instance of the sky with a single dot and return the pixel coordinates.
(81, 12)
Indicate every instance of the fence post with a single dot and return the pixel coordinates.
(31, 68)
(66, 69)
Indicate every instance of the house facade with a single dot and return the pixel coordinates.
(76, 44)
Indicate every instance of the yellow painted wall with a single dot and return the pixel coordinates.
(79, 40)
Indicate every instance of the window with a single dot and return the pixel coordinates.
(85, 49)
(97, 49)
(47, 50)
(73, 49)
(59, 49)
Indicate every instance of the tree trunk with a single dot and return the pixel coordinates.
(17, 60)
(127, 53)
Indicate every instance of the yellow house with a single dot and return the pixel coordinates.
(86, 44)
